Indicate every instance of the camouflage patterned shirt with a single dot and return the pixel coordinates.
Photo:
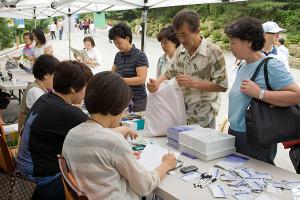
(208, 64)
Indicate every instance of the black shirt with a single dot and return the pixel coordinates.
(53, 120)
(126, 66)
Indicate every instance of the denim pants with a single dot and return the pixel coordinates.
(265, 154)
(60, 34)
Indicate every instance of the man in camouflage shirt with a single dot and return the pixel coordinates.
(199, 68)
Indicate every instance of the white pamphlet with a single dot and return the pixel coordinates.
(231, 162)
(152, 155)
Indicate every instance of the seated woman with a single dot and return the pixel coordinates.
(131, 63)
(93, 58)
(41, 45)
(169, 43)
(246, 36)
(45, 129)
(43, 71)
(27, 52)
(97, 152)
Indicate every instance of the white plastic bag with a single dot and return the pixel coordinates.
(165, 109)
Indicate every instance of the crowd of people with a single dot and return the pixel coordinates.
(52, 122)
(57, 25)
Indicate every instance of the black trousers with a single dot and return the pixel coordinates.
(54, 190)
(265, 154)
(139, 104)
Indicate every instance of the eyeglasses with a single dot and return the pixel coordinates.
(184, 35)
(272, 33)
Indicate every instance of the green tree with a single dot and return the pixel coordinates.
(7, 35)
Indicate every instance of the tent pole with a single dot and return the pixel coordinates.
(144, 27)
(69, 16)
(34, 16)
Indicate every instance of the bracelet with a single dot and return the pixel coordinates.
(261, 94)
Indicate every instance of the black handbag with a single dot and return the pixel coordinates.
(14, 187)
(267, 124)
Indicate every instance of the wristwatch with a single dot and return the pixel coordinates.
(261, 94)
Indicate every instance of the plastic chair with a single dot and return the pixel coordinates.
(70, 186)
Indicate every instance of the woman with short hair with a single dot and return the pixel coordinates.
(131, 63)
(45, 129)
(43, 71)
(169, 43)
(97, 151)
(246, 36)
(93, 57)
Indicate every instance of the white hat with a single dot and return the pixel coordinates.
(272, 27)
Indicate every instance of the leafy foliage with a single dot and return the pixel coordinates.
(7, 34)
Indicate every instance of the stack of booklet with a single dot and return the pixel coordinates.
(206, 144)
(173, 134)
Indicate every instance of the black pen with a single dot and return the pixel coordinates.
(208, 182)
(179, 165)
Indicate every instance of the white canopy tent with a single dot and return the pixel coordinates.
(41, 9)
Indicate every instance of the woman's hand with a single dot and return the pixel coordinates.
(79, 59)
(250, 88)
(169, 160)
(125, 131)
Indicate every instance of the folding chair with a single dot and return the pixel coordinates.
(70, 186)
(14, 150)
(7, 162)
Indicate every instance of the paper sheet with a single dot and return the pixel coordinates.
(152, 155)
(231, 162)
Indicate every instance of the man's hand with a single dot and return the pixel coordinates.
(152, 85)
(185, 81)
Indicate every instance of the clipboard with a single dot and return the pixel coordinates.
(80, 53)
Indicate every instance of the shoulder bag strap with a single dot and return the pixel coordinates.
(258, 68)
(266, 75)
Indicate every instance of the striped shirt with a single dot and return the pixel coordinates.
(28, 51)
(104, 166)
(127, 63)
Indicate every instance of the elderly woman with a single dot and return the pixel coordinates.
(131, 63)
(93, 57)
(169, 43)
(246, 41)
(97, 150)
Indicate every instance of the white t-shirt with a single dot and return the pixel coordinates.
(53, 27)
(38, 51)
(92, 27)
(94, 54)
(32, 95)
(108, 27)
(60, 25)
(284, 50)
(281, 57)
